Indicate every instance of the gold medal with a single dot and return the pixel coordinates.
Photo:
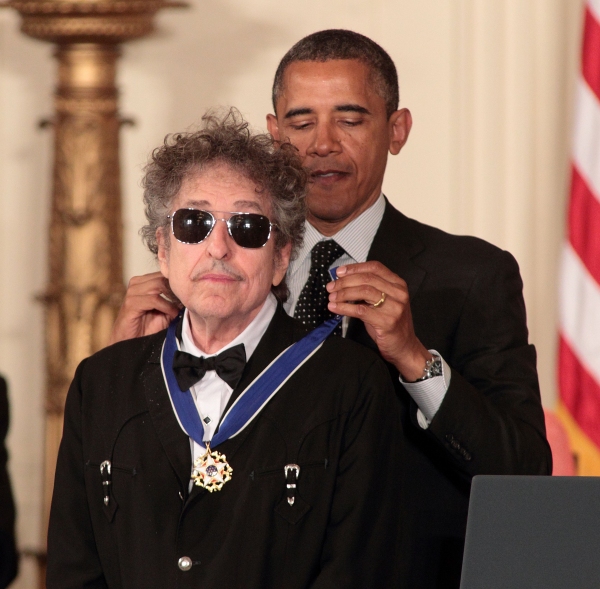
(211, 470)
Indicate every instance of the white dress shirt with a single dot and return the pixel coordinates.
(356, 239)
(211, 394)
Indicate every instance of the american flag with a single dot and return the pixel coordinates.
(579, 342)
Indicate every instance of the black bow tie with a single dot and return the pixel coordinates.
(229, 366)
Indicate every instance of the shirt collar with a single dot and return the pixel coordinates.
(249, 337)
(356, 237)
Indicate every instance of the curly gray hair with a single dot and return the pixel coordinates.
(275, 169)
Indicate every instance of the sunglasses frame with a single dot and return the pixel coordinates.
(225, 220)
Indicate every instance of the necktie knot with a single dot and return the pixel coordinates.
(325, 253)
(228, 365)
(311, 307)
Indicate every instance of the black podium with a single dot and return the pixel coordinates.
(533, 533)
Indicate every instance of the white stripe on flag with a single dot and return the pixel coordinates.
(586, 141)
(580, 311)
(594, 6)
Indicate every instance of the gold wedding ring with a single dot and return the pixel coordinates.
(380, 301)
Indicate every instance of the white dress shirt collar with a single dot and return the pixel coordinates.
(356, 237)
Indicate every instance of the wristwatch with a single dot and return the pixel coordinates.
(432, 368)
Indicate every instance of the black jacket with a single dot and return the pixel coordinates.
(337, 418)
(467, 303)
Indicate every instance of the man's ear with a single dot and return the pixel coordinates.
(282, 261)
(163, 252)
(399, 124)
(273, 127)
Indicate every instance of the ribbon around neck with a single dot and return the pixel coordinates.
(256, 395)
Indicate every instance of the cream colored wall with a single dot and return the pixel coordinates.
(489, 85)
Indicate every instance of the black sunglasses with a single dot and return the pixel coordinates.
(249, 230)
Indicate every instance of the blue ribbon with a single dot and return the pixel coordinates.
(253, 398)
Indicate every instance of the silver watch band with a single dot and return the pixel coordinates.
(432, 368)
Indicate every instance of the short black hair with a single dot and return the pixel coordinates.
(343, 44)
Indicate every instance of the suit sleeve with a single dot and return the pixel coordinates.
(73, 561)
(491, 420)
(365, 523)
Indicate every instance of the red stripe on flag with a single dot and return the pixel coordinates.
(580, 392)
(591, 52)
(584, 224)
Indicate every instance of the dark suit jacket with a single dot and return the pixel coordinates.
(8, 554)
(467, 303)
(337, 418)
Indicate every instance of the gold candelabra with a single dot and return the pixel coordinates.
(85, 255)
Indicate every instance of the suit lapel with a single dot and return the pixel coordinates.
(175, 442)
(395, 245)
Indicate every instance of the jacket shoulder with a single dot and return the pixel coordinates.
(112, 382)
(430, 244)
(128, 352)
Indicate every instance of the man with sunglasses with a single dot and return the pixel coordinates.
(446, 312)
(230, 450)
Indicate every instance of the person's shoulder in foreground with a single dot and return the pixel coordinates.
(8, 552)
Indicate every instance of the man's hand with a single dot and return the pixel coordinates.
(145, 310)
(390, 324)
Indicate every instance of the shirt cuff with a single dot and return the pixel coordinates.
(428, 394)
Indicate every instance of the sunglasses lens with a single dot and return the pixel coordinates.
(250, 230)
(192, 226)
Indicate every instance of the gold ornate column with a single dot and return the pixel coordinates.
(85, 266)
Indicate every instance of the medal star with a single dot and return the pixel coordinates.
(211, 471)
(214, 470)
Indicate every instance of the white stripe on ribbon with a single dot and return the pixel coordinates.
(586, 140)
(580, 311)
(296, 368)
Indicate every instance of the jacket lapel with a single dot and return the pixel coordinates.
(175, 442)
(396, 245)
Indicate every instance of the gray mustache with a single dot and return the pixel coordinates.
(221, 267)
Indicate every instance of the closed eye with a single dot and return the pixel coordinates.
(300, 126)
(352, 122)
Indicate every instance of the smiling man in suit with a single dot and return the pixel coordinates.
(445, 312)
(229, 450)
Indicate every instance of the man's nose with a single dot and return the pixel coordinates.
(219, 242)
(325, 140)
